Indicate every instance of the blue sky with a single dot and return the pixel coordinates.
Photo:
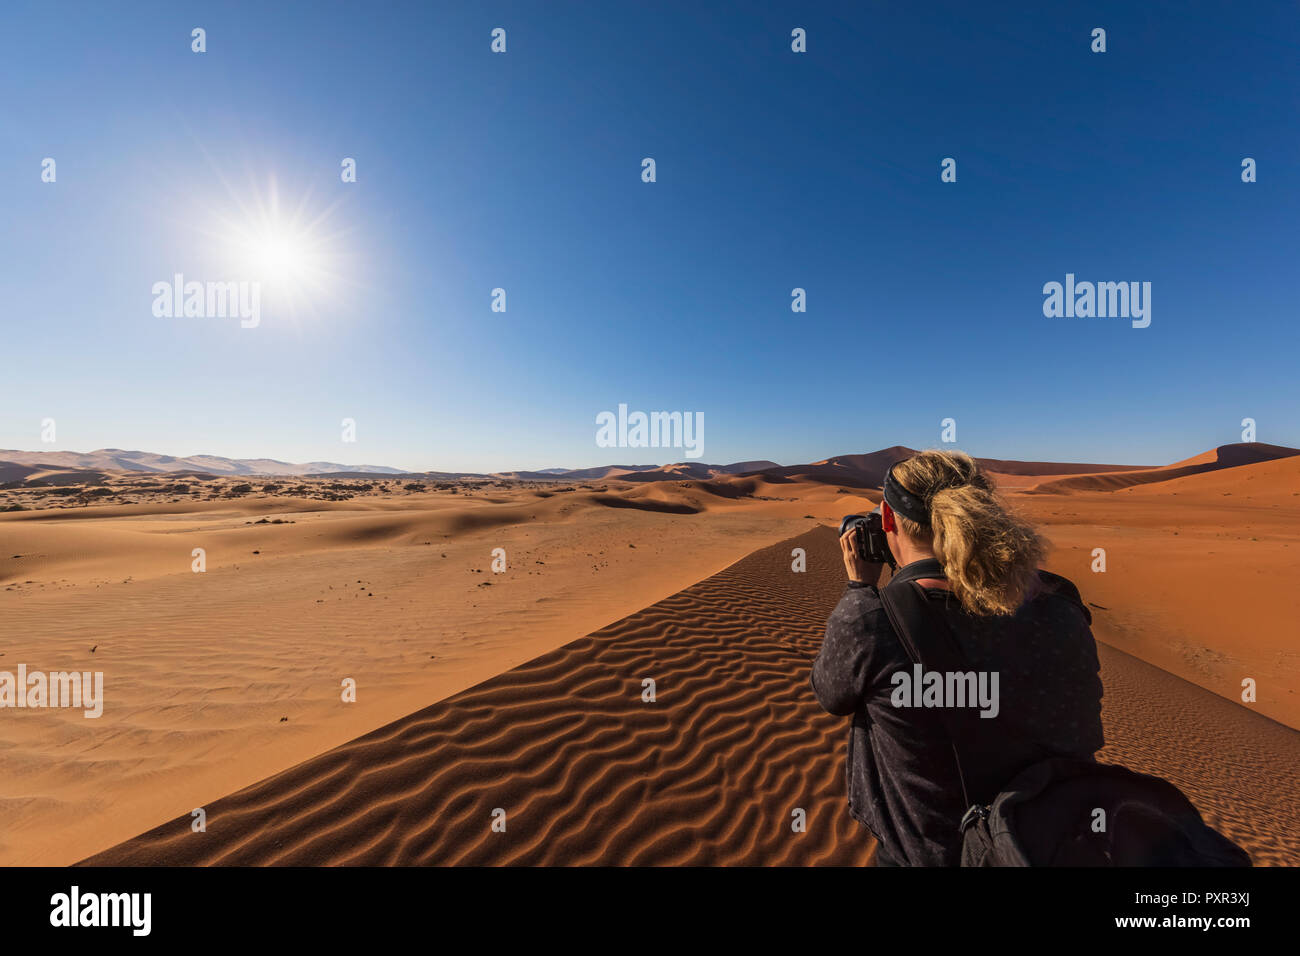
(775, 170)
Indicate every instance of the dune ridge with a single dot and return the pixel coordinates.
(119, 459)
(1225, 456)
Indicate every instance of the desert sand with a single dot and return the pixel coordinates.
(711, 773)
(1199, 575)
(478, 690)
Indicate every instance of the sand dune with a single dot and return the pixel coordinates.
(1198, 574)
(586, 772)
(868, 470)
(1266, 482)
(394, 590)
(710, 773)
(118, 459)
(599, 473)
(854, 470)
(13, 471)
(1018, 469)
(388, 580)
(690, 469)
(1225, 456)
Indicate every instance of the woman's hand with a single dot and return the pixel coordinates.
(864, 572)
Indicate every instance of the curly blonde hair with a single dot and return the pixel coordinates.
(989, 554)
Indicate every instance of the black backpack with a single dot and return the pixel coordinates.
(1044, 815)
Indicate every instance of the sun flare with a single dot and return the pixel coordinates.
(287, 248)
(280, 256)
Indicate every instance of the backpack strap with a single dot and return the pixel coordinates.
(909, 611)
(1064, 588)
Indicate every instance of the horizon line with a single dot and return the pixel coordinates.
(562, 469)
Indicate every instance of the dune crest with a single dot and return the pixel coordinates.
(1225, 456)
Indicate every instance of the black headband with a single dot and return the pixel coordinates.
(903, 501)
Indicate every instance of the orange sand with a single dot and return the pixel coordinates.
(200, 668)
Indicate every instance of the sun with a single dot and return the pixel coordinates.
(289, 256)
(280, 256)
(288, 248)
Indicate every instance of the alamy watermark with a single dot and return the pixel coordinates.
(130, 910)
(683, 430)
(209, 300)
(1102, 300)
(84, 689)
(922, 688)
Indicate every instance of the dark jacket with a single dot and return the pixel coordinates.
(902, 776)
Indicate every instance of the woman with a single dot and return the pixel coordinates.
(951, 533)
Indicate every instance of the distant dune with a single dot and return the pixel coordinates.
(686, 469)
(1275, 481)
(868, 470)
(696, 470)
(116, 459)
(13, 471)
(853, 471)
(865, 470)
(13, 461)
(1002, 467)
(60, 476)
(599, 473)
(1225, 456)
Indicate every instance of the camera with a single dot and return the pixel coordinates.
(871, 542)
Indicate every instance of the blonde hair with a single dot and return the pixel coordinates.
(989, 554)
